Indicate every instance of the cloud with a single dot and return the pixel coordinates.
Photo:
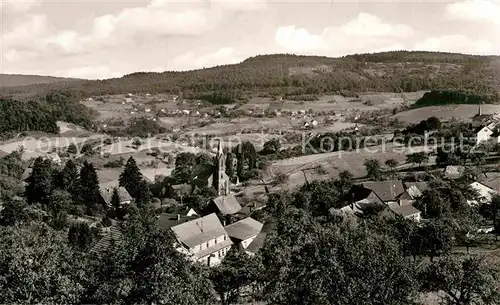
(298, 39)
(159, 19)
(474, 10)
(19, 6)
(370, 25)
(191, 60)
(457, 43)
(364, 33)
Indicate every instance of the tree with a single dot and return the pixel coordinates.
(392, 164)
(417, 158)
(271, 147)
(143, 195)
(60, 201)
(72, 149)
(38, 267)
(39, 182)
(435, 238)
(373, 169)
(131, 177)
(185, 166)
(345, 181)
(80, 236)
(230, 165)
(13, 211)
(444, 158)
(116, 206)
(309, 263)
(465, 281)
(89, 188)
(69, 178)
(232, 275)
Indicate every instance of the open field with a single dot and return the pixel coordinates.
(459, 112)
(329, 165)
(366, 102)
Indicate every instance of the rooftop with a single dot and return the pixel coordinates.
(244, 229)
(167, 221)
(386, 190)
(227, 205)
(199, 230)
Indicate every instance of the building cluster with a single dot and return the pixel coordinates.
(396, 196)
(205, 236)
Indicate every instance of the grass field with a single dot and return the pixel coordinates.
(459, 112)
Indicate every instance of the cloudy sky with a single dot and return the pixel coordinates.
(102, 39)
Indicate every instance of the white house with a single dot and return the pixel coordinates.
(487, 133)
(203, 239)
(244, 231)
(485, 193)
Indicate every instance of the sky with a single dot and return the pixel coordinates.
(102, 39)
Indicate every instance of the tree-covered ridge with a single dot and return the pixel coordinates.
(292, 74)
(43, 114)
(447, 97)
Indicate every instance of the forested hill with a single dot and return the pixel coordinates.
(14, 80)
(292, 74)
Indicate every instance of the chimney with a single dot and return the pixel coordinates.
(224, 223)
(178, 217)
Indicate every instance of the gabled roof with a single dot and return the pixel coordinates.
(404, 210)
(385, 190)
(111, 240)
(200, 230)
(3, 154)
(106, 190)
(169, 220)
(244, 228)
(421, 186)
(227, 205)
(413, 191)
(257, 243)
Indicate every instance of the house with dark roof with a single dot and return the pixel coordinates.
(203, 239)
(106, 191)
(243, 232)
(223, 205)
(484, 191)
(169, 220)
(391, 194)
(111, 240)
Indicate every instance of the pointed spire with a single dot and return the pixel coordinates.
(479, 109)
(219, 148)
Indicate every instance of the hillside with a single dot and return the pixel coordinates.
(14, 80)
(295, 75)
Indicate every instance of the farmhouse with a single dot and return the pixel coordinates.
(106, 191)
(390, 193)
(244, 232)
(487, 133)
(223, 205)
(485, 193)
(204, 240)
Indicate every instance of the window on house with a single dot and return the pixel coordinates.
(207, 244)
(216, 241)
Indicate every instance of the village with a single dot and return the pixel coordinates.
(227, 219)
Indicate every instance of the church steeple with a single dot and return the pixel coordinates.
(479, 113)
(220, 181)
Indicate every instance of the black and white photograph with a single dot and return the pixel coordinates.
(250, 152)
